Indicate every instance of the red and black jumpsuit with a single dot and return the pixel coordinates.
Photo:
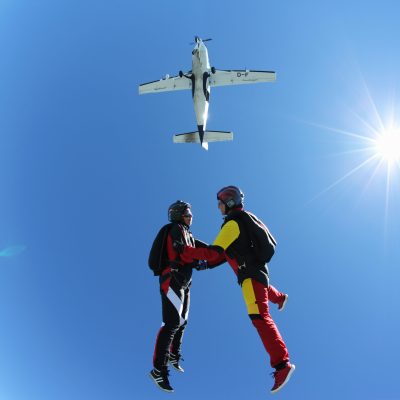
(234, 242)
(175, 281)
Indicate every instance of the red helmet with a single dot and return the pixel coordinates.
(231, 196)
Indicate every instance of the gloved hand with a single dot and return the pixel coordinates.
(201, 265)
(179, 246)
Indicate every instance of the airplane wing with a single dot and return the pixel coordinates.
(166, 84)
(240, 77)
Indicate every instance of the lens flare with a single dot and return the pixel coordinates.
(12, 251)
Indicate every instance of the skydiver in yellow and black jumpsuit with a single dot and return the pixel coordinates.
(235, 244)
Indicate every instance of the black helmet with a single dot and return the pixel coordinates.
(176, 210)
(231, 196)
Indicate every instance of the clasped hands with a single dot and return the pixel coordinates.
(199, 265)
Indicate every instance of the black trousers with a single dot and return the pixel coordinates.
(175, 299)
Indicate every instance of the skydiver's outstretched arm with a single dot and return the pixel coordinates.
(216, 252)
(208, 253)
(214, 255)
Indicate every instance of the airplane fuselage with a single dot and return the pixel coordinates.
(201, 86)
(199, 80)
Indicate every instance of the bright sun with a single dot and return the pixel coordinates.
(375, 145)
(387, 146)
(377, 148)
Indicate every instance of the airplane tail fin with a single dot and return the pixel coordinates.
(209, 136)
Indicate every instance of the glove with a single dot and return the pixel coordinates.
(179, 246)
(201, 265)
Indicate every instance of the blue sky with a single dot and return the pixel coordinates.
(88, 169)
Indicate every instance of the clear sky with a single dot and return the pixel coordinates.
(88, 169)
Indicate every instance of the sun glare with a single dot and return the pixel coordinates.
(387, 146)
(376, 148)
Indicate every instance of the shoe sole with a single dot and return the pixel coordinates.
(284, 303)
(164, 390)
(285, 381)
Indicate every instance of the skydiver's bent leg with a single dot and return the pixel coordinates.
(274, 295)
(277, 297)
(256, 298)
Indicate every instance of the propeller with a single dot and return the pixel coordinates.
(197, 39)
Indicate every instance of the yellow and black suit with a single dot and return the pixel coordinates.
(233, 240)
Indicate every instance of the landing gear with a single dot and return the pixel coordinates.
(213, 70)
(180, 74)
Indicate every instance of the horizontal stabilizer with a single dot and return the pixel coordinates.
(209, 136)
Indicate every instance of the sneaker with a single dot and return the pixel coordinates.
(174, 361)
(282, 377)
(282, 303)
(160, 378)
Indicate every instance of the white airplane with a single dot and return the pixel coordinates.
(199, 79)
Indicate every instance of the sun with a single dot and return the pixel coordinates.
(375, 146)
(387, 146)
(371, 149)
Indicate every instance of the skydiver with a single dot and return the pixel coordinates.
(175, 281)
(233, 241)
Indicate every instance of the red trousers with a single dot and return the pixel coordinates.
(256, 297)
(274, 295)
